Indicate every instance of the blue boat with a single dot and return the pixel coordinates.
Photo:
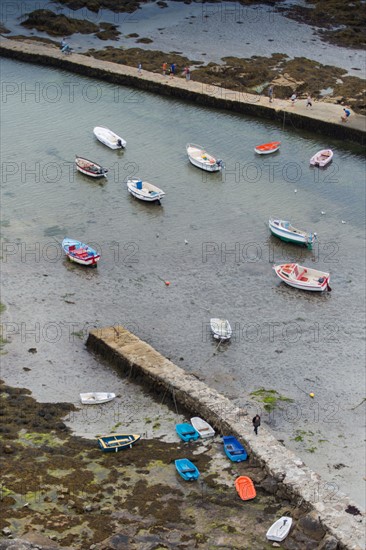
(233, 449)
(116, 442)
(186, 469)
(187, 432)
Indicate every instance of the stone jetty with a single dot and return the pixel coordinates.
(332, 517)
(324, 118)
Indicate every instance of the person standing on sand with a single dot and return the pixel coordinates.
(139, 69)
(270, 94)
(256, 423)
(309, 102)
(164, 69)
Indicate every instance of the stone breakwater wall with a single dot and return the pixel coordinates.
(324, 119)
(329, 511)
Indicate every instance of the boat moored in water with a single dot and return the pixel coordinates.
(304, 278)
(290, 234)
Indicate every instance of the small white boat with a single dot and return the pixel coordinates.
(144, 190)
(302, 277)
(202, 427)
(95, 397)
(80, 253)
(280, 529)
(221, 329)
(90, 168)
(322, 158)
(199, 157)
(286, 232)
(109, 138)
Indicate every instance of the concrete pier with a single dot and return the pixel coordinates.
(327, 509)
(324, 118)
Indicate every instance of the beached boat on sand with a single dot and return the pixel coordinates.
(96, 397)
(187, 432)
(186, 469)
(302, 277)
(322, 158)
(267, 148)
(221, 329)
(202, 427)
(280, 529)
(144, 191)
(80, 253)
(234, 449)
(199, 157)
(90, 168)
(245, 488)
(116, 442)
(290, 234)
(109, 138)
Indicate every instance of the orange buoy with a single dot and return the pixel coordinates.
(167, 283)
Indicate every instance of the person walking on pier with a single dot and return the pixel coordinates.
(256, 423)
(309, 102)
(346, 114)
(293, 99)
(164, 69)
(270, 94)
(139, 69)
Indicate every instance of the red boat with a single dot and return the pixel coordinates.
(267, 148)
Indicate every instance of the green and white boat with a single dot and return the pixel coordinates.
(286, 232)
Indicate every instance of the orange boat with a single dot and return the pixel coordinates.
(267, 148)
(245, 488)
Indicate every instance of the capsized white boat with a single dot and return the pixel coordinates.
(322, 158)
(280, 529)
(90, 168)
(199, 157)
(96, 397)
(302, 277)
(202, 427)
(144, 190)
(80, 253)
(221, 329)
(290, 234)
(109, 138)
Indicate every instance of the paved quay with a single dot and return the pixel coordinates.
(336, 520)
(324, 118)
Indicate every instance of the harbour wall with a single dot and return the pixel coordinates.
(324, 119)
(328, 510)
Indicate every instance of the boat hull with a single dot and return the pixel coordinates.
(90, 168)
(234, 450)
(80, 253)
(186, 469)
(117, 442)
(196, 155)
(280, 529)
(221, 329)
(187, 432)
(322, 158)
(288, 236)
(96, 398)
(245, 488)
(202, 427)
(311, 280)
(109, 138)
(148, 193)
(267, 148)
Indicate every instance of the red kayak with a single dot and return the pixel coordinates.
(267, 148)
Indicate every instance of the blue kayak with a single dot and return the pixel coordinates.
(186, 469)
(233, 449)
(187, 432)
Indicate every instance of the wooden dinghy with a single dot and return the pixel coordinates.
(90, 168)
(304, 278)
(144, 191)
(199, 157)
(116, 442)
(80, 253)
